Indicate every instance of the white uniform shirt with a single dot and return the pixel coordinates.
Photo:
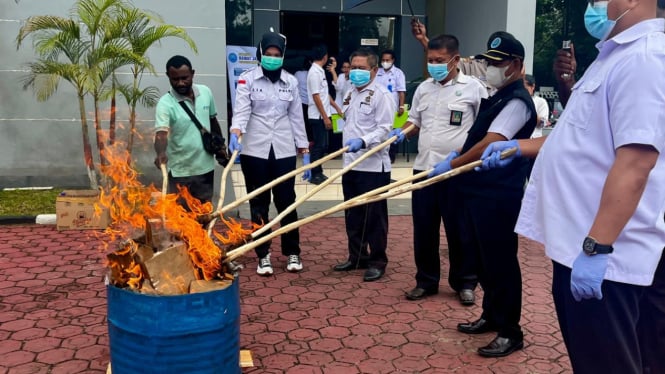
(317, 84)
(432, 109)
(301, 76)
(369, 115)
(618, 101)
(393, 80)
(511, 119)
(269, 115)
(342, 86)
(543, 111)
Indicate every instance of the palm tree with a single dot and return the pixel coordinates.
(142, 30)
(74, 49)
(56, 37)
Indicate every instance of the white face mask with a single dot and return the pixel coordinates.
(496, 76)
(386, 65)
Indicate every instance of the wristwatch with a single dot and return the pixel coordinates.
(591, 247)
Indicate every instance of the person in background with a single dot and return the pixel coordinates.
(301, 76)
(341, 80)
(444, 108)
(178, 141)
(489, 203)
(319, 110)
(392, 78)
(597, 192)
(542, 108)
(268, 115)
(369, 113)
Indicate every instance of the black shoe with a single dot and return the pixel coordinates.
(318, 179)
(420, 293)
(476, 327)
(350, 265)
(373, 274)
(466, 297)
(500, 347)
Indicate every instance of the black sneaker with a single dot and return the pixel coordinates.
(318, 179)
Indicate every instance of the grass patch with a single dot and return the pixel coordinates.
(28, 202)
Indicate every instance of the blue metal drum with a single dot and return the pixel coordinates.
(195, 333)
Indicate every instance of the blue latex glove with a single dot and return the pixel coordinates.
(307, 175)
(587, 276)
(233, 144)
(492, 155)
(400, 136)
(354, 145)
(443, 166)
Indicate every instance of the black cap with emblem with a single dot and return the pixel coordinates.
(502, 46)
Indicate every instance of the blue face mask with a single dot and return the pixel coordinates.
(596, 22)
(438, 71)
(359, 77)
(271, 63)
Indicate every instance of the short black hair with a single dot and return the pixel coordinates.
(319, 52)
(530, 79)
(444, 41)
(388, 52)
(372, 58)
(177, 61)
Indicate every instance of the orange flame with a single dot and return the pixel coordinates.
(131, 205)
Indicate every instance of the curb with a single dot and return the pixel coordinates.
(17, 220)
(40, 219)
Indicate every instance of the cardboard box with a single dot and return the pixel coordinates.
(75, 210)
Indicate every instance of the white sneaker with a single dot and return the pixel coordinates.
(265, 267)
(294, 264)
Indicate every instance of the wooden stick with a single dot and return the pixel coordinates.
(222, 184)
(321, 186)
(165, 186)
(265, 187)
(369, 197)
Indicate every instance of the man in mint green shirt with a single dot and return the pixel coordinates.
(177, 139)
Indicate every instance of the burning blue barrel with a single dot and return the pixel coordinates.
(195, 333)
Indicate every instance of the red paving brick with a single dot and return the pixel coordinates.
(53, 310)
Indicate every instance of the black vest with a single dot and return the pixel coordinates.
(512, 177)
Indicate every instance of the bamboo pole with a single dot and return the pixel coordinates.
(165, 186)
(221, 210)
(366, 198)
(222, 184)
(321, 186)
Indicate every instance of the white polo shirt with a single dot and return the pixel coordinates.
(369, 114)
(269, 115)
(393, 80)
(543, 111)
(317, 84)
(432, 108)
(618, 101)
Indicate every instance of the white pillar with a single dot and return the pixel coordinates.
(472, 22)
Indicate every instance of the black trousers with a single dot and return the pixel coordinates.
(320, 146)
(308, 128)
(366, 225)
(199, 186)
(490, 221)
(258, 172)
(624, 332)
(430, 206)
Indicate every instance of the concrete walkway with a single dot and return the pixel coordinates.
(53, 310)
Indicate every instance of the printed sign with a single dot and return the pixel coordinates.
(238, 59)
(369, 42)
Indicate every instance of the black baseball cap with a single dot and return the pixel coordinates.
(502, 46)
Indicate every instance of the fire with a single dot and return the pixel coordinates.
(133, 206)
